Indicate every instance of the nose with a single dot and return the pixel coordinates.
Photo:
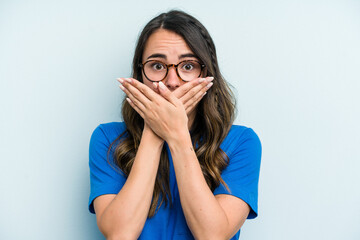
(172, 80)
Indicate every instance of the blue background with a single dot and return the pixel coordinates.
(294, 65)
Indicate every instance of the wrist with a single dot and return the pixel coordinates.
(180, 140)
(151, 137)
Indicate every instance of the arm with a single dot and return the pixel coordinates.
(207, 216)
(135, 196)
(122, 216)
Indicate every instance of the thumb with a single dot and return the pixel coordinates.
(167, 94)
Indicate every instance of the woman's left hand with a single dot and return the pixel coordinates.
(163, 112)
(192, 92)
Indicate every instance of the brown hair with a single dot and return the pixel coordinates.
(215, 112)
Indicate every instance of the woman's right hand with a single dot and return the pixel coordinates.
(192, 92)
(149, 132)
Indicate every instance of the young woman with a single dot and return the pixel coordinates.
(176, 168)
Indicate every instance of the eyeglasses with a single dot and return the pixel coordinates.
(156, 71)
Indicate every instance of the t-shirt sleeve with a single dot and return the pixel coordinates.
(242, 173)
(105, 176)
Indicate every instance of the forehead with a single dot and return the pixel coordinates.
(167, 43)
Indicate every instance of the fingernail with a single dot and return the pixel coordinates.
(128, 80)
(120, 80)
(209, 85)
(204, 93)
(122, 87)
(201, 80)
(154, 84)
(209, 79)
(128, 99)
(162, 86)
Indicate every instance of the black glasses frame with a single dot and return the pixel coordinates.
(141, 65)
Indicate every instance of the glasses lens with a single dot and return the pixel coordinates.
(155, 70)
(189, 70)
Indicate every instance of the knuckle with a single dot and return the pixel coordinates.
(176, 94)
(136, 94)
(192, 91)
(186, 87)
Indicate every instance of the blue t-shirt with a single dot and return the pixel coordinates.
(241, 145)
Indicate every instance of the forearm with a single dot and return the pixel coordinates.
(204, 215)
(125, 216)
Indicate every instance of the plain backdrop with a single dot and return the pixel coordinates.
(295, 69)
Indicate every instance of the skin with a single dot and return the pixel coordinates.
(168, 109)
(173, 49)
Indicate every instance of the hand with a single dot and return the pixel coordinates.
(192, 92)
(165, 114)
(147, 131)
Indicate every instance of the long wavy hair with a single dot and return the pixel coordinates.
(214, 113)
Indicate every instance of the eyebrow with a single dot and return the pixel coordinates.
(187, 55)
(159, 55)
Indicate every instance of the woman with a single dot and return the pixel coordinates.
(176, 168)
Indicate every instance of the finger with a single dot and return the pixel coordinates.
(135, 94)
(201, 88)
(192, 106)
(189, 105)
(148, 92)
(181, 91)
(122, 83)
(156, 87)
(131, 97)
(135, 107)
(167, 94)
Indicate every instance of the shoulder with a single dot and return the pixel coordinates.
(108, 132)
(105, 176)
(239, 134)
(241, 138)
(243, 147)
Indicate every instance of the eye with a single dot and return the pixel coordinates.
(188, 66)
(158, 66)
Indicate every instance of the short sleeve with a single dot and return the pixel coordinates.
(105, 176)
(242, 174)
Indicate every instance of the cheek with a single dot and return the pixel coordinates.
(182, 83)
